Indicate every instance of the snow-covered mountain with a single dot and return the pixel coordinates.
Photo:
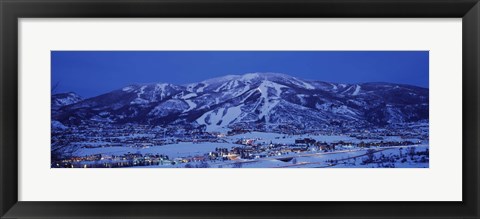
(64, 99)
(255, 100)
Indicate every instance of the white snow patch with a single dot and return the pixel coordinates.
(142, 91)
(165, 108)
(161, 87)
(304, 84)
(139, 101)
(231, 114)
(200, 89)
(191, 105)
(267, 105)
(302, 98)
(128, 89)
(250, 76)
(357, 90)
(218, 120)
(347, 90)
(211, 119)
(188, 96)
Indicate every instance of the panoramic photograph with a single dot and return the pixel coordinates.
(239, 109)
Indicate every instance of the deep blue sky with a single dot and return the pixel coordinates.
(90, 73)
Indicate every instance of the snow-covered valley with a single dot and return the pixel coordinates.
(256, 120)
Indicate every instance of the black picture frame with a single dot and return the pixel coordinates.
(12, 10)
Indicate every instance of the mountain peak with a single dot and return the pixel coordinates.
(265, 75)
(268, 99)
(247, 77)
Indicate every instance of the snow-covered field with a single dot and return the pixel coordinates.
(346, 159)
(191, 149)
(343, 157)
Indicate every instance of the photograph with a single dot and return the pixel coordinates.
(201, 109)
(239, 109)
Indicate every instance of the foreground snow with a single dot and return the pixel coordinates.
(344, 159)
(344, 156)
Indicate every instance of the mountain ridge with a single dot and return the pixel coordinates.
(253, 101)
